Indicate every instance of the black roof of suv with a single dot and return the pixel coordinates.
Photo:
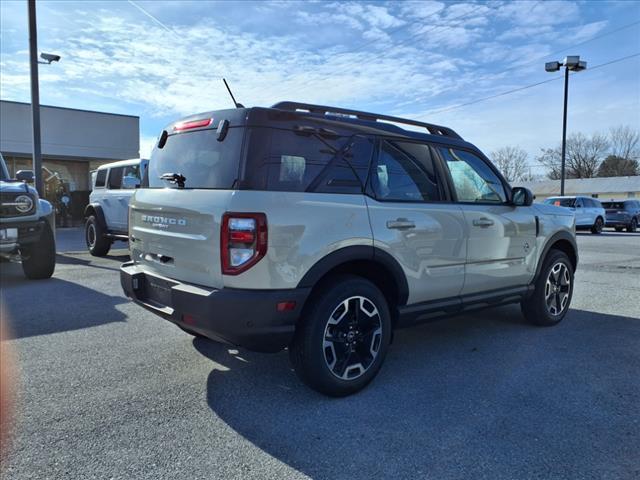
(355, 120)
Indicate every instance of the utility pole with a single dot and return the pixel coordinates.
(35, 97)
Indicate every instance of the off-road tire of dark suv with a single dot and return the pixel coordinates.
(39, 258)
(535, 308)
(97, 243)
(308, 350)
(633, 225)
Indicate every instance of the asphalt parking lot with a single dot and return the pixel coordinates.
(108, 390)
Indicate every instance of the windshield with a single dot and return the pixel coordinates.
(4, 174)
(202, 160)
(561, 202)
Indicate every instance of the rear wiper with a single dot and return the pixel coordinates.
(176, 178)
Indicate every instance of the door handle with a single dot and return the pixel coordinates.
(400, 224)
(482, 222)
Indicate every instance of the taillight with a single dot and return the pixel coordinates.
(243, 241)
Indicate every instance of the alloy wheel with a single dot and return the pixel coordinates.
(352, 338)
(91, 235)
(557, 289)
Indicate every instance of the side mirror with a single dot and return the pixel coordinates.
(129, 183)
(25, 176)
(521, 197)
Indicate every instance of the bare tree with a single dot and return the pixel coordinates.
(625, 142)
(512, 162)
(584, 155)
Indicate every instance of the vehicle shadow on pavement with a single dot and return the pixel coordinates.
(83, 260)
(461, 397)
(84, 307)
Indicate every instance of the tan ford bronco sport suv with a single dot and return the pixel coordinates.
(322, 230)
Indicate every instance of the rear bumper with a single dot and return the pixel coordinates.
(617, 222)
(246, 318)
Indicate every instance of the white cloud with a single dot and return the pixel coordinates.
(540, 13)
(584, 32)
(401, 58)
(146, 145)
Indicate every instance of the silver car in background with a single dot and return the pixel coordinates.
(589, 212)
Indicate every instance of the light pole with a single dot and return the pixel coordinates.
(35, 94)
(574, 64)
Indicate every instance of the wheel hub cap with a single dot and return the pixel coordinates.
(352, 338)
(557, 289)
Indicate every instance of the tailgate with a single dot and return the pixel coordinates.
(176, 233)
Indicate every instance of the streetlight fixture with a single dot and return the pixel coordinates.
(574, 64)
(35, 94)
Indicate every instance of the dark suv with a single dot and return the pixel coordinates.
(622, 214)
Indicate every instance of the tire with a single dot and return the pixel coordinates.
(39, 259)
(347, 364)
(537, 309)
(94, 234)
(597, 227)
(619, 229)
(631, 228)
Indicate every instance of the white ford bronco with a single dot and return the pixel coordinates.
(322, 230)
(112, 186)
(27, 225)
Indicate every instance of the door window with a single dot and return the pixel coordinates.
(579, 203)
(115, 178)
(404, 171)
(473, 180)
(132, 172)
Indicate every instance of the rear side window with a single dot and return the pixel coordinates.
(285, 160)
(101, 178)
(199, 157)
(115, 178)
(473, 180)
(404, 172)
(561, 202)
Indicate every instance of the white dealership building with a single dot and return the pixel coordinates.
(74, 142)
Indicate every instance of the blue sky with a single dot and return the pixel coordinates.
(163, 60)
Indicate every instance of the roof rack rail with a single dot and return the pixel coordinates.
(372, 117)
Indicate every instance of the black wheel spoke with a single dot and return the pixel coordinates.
(343, 363)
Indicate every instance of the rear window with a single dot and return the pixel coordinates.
(200, 158)
(561, 202)
(613, 205)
